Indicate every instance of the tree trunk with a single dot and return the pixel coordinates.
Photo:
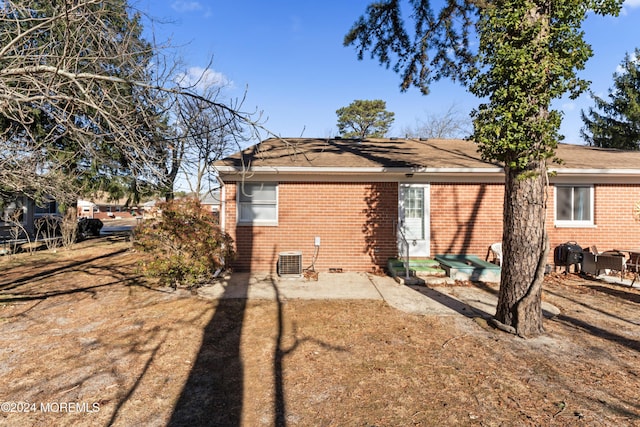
(169, 194)
(525, 248)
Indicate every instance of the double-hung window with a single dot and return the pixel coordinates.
(49, 207)
(574, 206)
(258, 203)
(13, 211)
(414, 213)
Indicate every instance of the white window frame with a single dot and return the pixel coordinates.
(572, 222)
(264, 203)
(10, 208)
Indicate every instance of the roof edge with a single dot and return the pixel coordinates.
(356, 170)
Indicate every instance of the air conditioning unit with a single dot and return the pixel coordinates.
(290, 263)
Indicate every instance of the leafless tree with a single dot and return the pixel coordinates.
(450, 124)
(17, 229)
(82, 95)
(205, 133)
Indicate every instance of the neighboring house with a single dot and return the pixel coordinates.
(353, 196)
(103, 207)
(211, 202)
(150, 209)
(87, 209)
(28, 213)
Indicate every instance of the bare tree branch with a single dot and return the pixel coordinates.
(451, 124)
(84, 98)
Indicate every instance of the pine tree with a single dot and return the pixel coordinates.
(618, 124)
(528, 55)
(364, 118)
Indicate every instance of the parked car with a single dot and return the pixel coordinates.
(89, 227)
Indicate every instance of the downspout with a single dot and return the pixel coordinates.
(222, 215)
(223, 203)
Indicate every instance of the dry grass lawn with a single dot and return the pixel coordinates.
(85, 341)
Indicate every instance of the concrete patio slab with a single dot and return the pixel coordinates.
(469, 301)
(356, 286)
(615, 280)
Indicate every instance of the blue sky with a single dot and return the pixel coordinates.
(289, 57)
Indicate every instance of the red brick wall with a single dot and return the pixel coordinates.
(355, 223)
(465, 218)
(615, 226)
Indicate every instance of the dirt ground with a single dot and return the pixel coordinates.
(85, 341)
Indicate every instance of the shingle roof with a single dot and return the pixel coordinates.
(405, 153)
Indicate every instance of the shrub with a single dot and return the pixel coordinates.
(69, 228)
(49, 228)
(185, 244)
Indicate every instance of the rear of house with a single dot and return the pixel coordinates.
(349, 205)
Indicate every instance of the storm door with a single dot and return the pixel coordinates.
(413, 220)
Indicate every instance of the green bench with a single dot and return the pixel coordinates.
(468, 267)
(416, 266)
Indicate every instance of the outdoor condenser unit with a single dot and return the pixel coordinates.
(290, 263)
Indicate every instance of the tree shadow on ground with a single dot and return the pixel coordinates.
(61, 269)
(470, 305)
(600, 310)
(88, 275)
(280, 353)
(99, 277)
(618, 293)
(454, 304)
(213, 394)
(599, 332)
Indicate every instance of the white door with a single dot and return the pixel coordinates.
(413, 218)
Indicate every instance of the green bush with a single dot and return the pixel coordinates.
(186, 245)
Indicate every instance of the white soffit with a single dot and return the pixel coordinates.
(490, 174)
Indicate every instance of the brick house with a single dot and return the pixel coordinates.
(341, 202)
(105, 208)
